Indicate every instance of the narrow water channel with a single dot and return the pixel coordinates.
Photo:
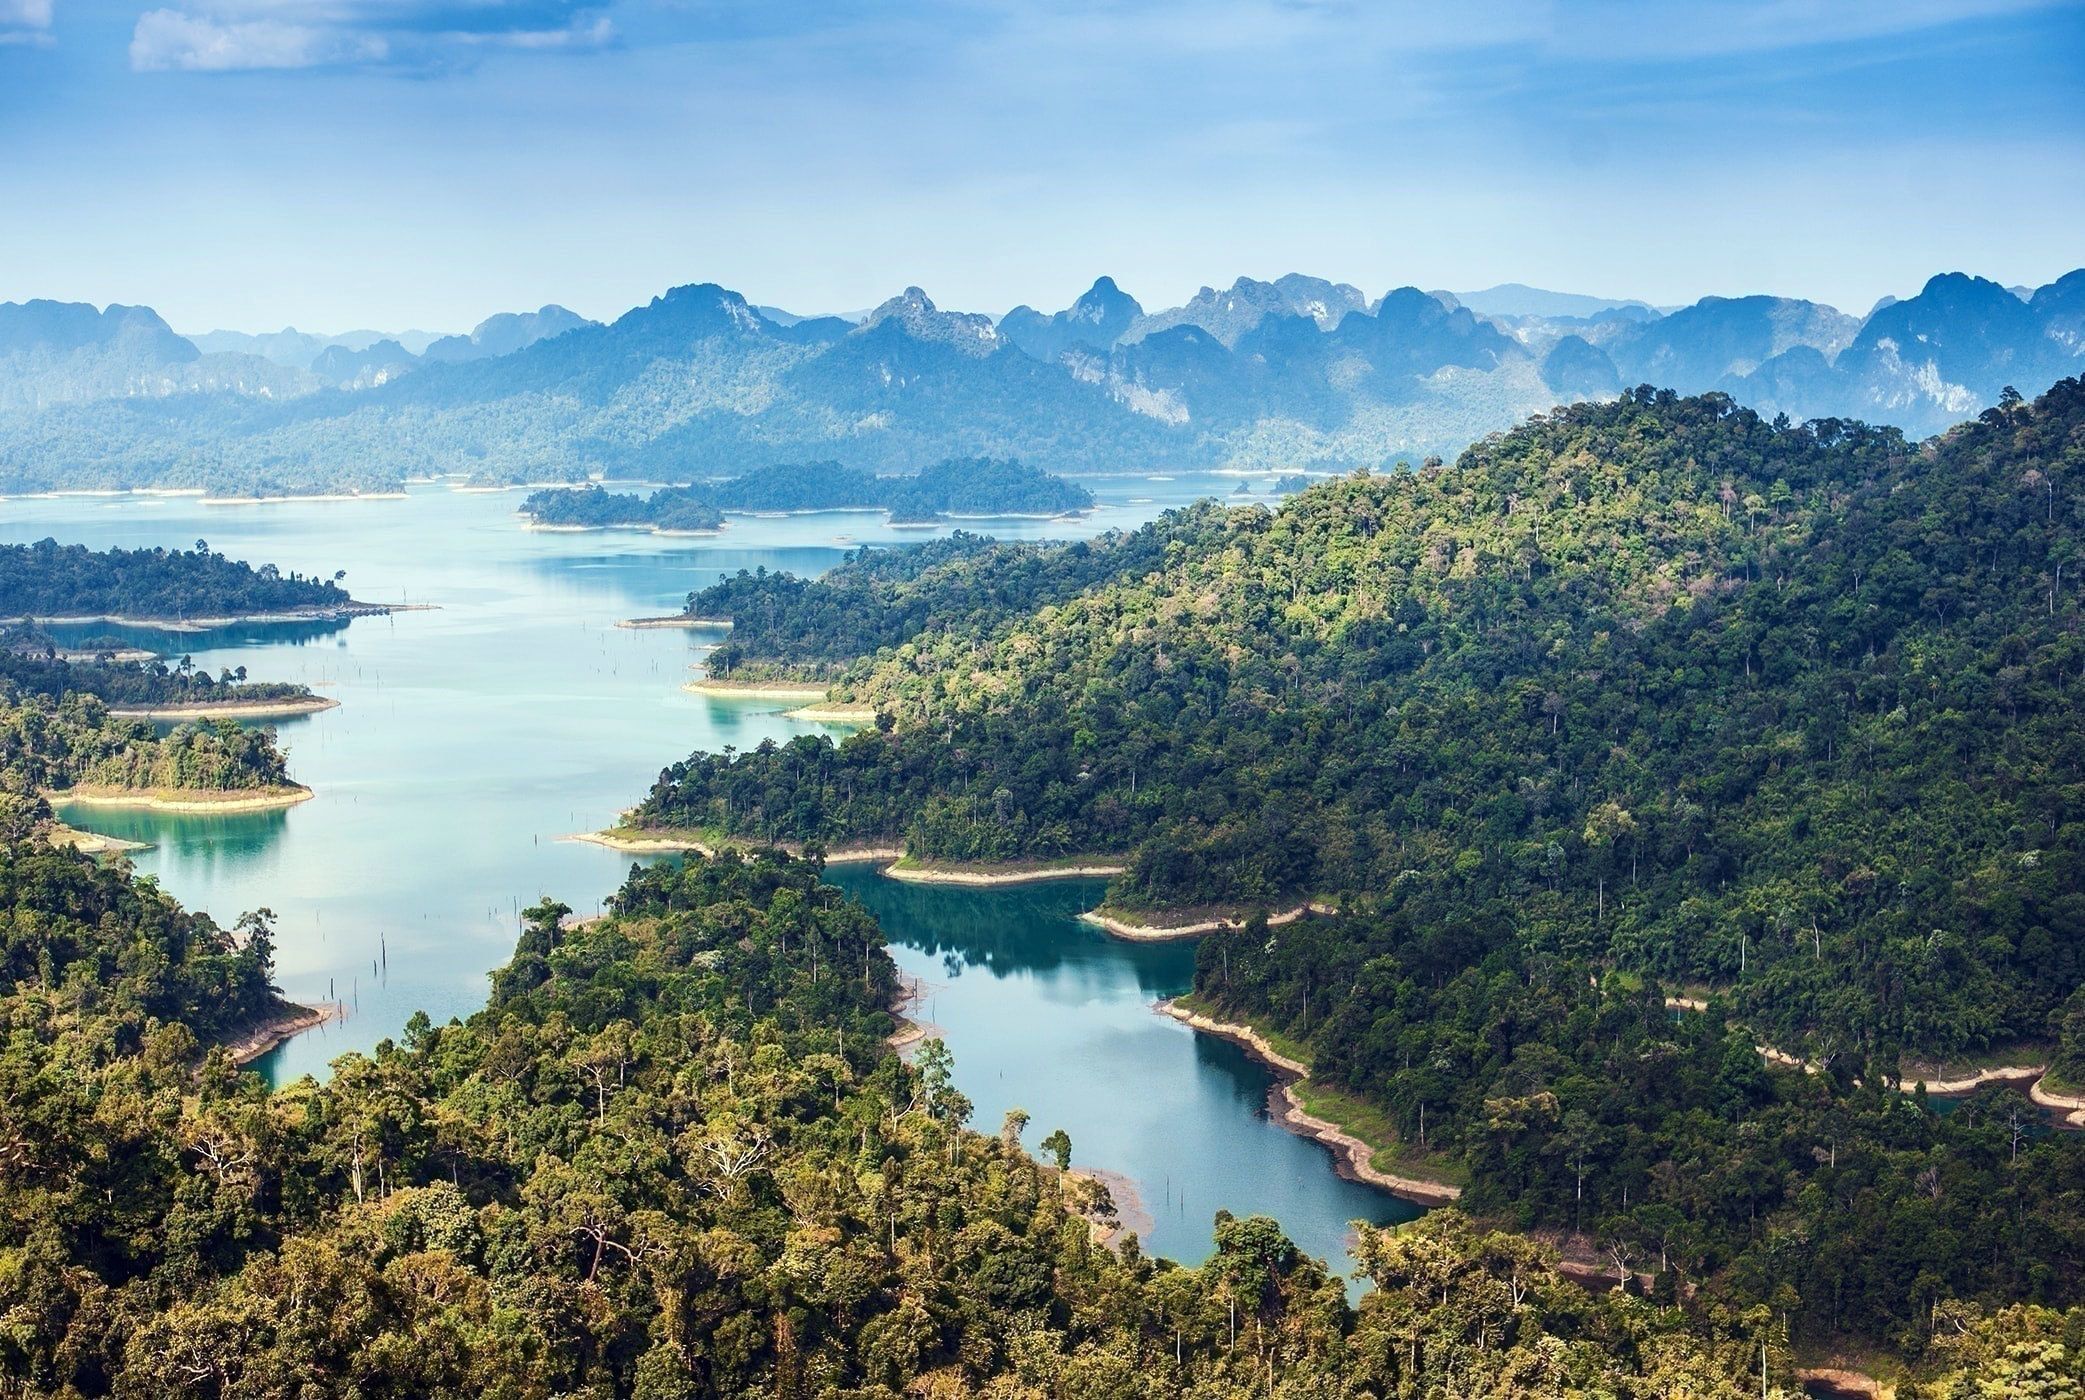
(471, 738)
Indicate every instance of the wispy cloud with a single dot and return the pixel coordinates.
(218, 36)
(25, 21)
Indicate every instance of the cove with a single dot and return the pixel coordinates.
(1050, 1015)
(472, 737)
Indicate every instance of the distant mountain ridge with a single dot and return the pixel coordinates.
(1299, 372)
(504, 334)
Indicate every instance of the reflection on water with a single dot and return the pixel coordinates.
(471, 737)
(1051, 1015)
(171, 643)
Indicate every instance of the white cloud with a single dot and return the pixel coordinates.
(25, 21)
(169, 39)
(231, 35)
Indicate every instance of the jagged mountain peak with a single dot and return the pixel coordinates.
(1093, 323)
(1232, 312)
(915, 312)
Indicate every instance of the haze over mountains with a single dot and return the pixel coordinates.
(1296, 372)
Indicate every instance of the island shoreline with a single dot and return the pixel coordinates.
(726, 690)
(183, 799)
(344, 612)
(287, 707)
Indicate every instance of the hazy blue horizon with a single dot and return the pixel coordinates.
(342, 164)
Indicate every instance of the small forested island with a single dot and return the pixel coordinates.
(675, 1156)
(1651, 736)
(74, 748)
(48, 581)
(31, 663)
(959, 487)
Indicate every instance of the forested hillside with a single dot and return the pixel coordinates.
(50, 580)
(673, 1157)
(96, 962)
(876, 599)
(1646, 697)
(1787, 709)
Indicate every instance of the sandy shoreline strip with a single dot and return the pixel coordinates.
(257, 1041)
(833, 714)
(1353, 1155)
(1132, 1215)
(633, 527)
(693, 624)
(282, 708)
(316, 496)
(930, 874)
(1166, 933)
(2071, 1106)
(91, 843)
(641, 842)
(344, 612)
(911, 1030)
(728, 690)
(183, 799)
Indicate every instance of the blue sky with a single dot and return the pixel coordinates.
(423, 163)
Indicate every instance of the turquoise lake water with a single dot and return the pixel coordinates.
(471, 737)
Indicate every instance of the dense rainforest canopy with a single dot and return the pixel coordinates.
(673, 1157)
(50, 580)
(795, 628)
(1642, 697)
(1788, 710)
(959, 487)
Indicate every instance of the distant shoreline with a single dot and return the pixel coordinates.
(182, 799)
(693, 624)
(283, 708)
(312, 496)
(632, 528)
(731, 690)
(331, 612)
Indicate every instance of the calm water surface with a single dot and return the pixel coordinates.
(473, 736)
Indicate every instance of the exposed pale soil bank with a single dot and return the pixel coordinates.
(183, 799)
(1353, 1155)
(731, 690)
(1162, 933)
(282, 708)
(293, 1019)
